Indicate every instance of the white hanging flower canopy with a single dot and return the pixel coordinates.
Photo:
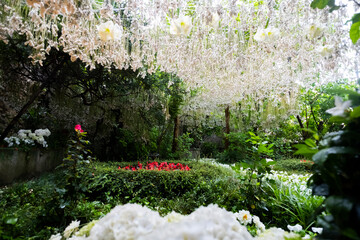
(230, 49)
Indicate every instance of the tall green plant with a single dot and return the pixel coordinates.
(337, 172)
(256, 168)
(75, 166)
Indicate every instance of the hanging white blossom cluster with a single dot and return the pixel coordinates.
(231, 50)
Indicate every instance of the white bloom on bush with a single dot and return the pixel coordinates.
(340, 107)
(43, 132)
(23, 133)
(276, 234)
(326, 50)
(85, 230)
(181, 26)
(317, 230)
(209, 222)
(126, 222)
(55, 237)
(132, 221)
(73, 227)
(259, 225)
(296, 228)
(109, 31)
(244, 217)
(314, 30)
(27, 137)
(174, 217)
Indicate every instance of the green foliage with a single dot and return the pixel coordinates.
(75, 167)
(125, 185)
(290, 205)
(239, 148)
(295, 165)
(184, 144)
(337, 176)
(209, 149)
(246, 147)
(256, 168)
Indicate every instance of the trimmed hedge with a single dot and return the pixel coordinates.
(206, 181)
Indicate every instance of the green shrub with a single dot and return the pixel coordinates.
(124, 185)
(209, 150)
(293, 165)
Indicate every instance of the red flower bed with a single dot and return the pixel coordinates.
(307, 161)
(164, 166)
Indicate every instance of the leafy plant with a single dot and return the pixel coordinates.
(184, 143)
(337, 173)
(289, 204)
(294, 165)
(256, 168)
(76, 166)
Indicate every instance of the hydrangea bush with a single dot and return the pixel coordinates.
(132, 221)
(26, 137)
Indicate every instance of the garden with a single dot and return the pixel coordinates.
(179, 119)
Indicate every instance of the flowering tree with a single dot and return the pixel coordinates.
(229, 49)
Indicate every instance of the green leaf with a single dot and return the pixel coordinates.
(311, 143)
(319, 4)
(354, 32)
(356, 112)
(11, 220)
(355, 18)
(244, 165)
(323, 154)
(334, 8)
(339, 206)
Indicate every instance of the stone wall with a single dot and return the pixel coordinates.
(17, 164)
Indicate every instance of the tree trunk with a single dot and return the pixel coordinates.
(227, 128)
(176, 134)
(22, 111)
(305, 134)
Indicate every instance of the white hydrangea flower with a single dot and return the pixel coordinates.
(33, 136)
(109, 31)
(340, 107)
(276, 234)
(181, 26)
(126, 222)
(244, 217)
(296, 228)
(132, 221)
(43, 132)
(205, 223)
(73, 227)
(174, 217)
(260, 226)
